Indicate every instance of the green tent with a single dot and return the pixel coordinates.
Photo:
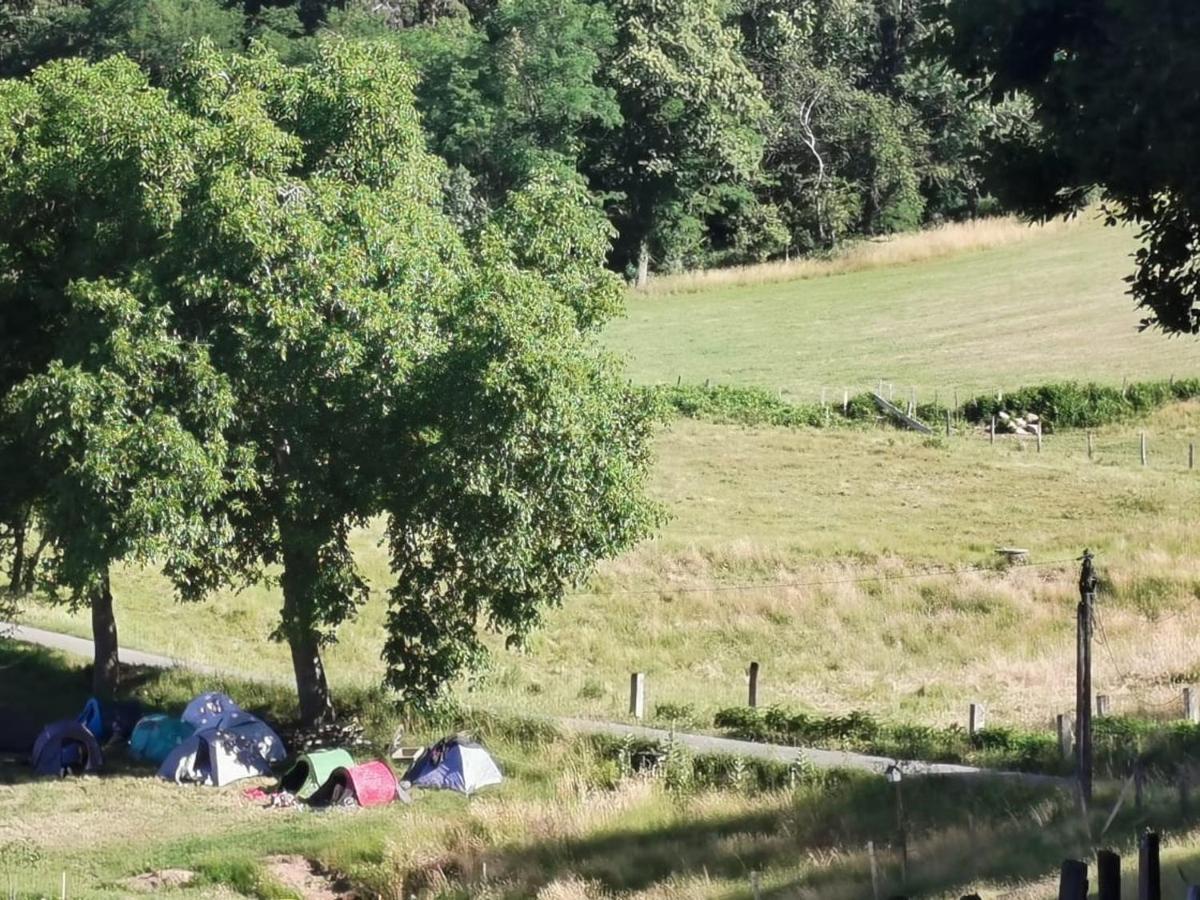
(311, 771)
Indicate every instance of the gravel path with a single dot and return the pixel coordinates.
(697, 743)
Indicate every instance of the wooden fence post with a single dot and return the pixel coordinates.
(947, 423)
(976, 717)
(1072, 882)
(874, 870)
(753, 698)
(1108, 873)
(992, 433)
(1191, 456)
(637, 695)
(1185, 793)
(1066, 740)
(1102, 704)
(1149, 873)
(1089, 437)
(1191, 708)
(1039, 438)
(845, 401)
(1144, 460)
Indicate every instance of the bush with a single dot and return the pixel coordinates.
(724, 404)
(1069, 404)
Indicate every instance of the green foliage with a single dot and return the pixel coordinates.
(858, 731)
(737, 405)
(1094, 81)
(1073, 405)
(275, 333)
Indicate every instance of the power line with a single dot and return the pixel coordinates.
(866, 579)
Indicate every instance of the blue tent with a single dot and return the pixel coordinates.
(155, 736)
(454, 764)
(66, 747)
(104, 718)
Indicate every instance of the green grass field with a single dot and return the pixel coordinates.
(570, 823)
(1050, 307)
(857, 565)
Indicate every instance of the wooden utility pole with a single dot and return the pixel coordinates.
(1083, 677)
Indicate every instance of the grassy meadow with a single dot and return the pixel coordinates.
(857, 565)
(1005, 311)
(771, 532)
(570, 823)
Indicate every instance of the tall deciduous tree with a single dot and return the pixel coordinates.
(1113, 89)
(113, 416)
(691, 110)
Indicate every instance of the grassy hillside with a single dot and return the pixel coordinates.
(1048, 307)
(571, 822)
(771, 532)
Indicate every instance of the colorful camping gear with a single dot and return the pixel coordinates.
(454, 764)
(66, 746)
(105, 718)
(156, 735)
(218, 756)
(369, 784)
(312, 770)
(213, 710)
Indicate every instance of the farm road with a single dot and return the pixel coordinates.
(697, 743)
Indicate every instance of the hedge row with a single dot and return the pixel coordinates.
(1069, 404)
(1066, 404)
(1118, 741)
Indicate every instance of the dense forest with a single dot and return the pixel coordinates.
(713, 133)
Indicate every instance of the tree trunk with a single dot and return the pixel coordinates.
(17, 572)
(106, 668)
(299, 582)
(643, 265)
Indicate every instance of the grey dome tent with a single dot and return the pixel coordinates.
(454, 764)
(66, 746)
(217, 756)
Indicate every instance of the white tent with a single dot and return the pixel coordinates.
(218, 756)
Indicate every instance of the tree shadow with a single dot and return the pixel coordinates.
(823, 828)
(39, 686)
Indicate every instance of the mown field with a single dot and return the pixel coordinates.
(1050, 306)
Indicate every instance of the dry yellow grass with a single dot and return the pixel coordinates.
(877, 253)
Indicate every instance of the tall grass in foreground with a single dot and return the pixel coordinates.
(896, 250)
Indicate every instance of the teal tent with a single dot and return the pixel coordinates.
(155, 736)
(312, 770)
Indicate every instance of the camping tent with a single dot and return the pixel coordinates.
(213, 710)
(66, 746)
(371, 784)
(218, 756)
(155, 736)
(104, 718)
(455, 764)
(312, 770)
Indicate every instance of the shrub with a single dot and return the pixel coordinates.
(1069, 404)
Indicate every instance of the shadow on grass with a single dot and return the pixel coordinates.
(39, 686)
(808, 840)
(960, 833)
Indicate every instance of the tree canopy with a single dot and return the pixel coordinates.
(1112, 86)
(280, 334)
